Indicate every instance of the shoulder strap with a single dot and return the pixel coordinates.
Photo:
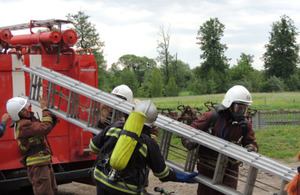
(213, 119)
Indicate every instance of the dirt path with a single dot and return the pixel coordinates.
(183, 188)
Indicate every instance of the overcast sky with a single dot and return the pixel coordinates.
(132, 26)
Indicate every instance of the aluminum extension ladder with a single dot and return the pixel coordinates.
(77, 89)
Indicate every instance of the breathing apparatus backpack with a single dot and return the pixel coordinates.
(128, 139)
(118, 163)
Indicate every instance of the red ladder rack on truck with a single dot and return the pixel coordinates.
(52, 50)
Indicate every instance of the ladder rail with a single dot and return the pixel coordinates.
(81, 88)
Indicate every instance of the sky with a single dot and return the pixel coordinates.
(132, 26)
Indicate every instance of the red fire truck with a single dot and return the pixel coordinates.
(51, 49)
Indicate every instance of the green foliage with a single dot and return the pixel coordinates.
(171, 88)
(156, 83)
(128, 78)
(103, 78)
(213, 52)
(89, 38)
(86, 31)
(181, 73)
(293, 83)
(279, 143)
(139, 65)
(282, 52)
(243, 68)
(273, 84)
(145, 89)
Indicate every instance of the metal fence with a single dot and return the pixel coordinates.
(269, 119)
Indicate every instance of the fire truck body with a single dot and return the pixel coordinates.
(69, 143)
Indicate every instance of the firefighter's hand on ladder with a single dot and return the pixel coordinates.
(43, 102)
(189, 178)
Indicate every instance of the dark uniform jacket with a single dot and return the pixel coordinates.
(30, 133)
(147, 153)
(230, 132)
(2, 128)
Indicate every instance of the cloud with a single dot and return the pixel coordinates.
(132, 26)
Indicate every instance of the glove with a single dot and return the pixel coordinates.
(189, 178)
(188, 144)
(250, 148)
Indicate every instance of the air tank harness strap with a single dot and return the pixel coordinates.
(132, 135)
(31, 151)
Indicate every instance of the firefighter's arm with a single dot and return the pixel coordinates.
(201, 124)
(97, 141)
(2, 128)
(4, 120)
(38, 128)
(93, 145)
(157, 163)
(249, 142)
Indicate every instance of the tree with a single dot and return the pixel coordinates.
(209, 36)
(242, 71)
(273, 84)
(282, 52)
(163, 51)
(139, 65)
(128, 78)
(181, 73)
(156, 83)
(89, 38)
(171, 88)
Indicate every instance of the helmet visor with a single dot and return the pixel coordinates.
(239, 109)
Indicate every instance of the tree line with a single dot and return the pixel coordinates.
(168, 76)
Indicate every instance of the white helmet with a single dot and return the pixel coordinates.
(14, 106)
(149, 109)
(238, 94)
(124, 91)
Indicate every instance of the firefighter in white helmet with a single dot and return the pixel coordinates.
(31, 134)
(229, 122)
(124, 92)
(132, 178)
(121, 91)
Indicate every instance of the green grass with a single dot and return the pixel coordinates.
(279, 143)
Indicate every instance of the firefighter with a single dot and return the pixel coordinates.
(4, 120)
(121, 91)
(132, 178)
(228, 122)
(31, 134)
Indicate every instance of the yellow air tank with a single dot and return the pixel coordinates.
(126, 143)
